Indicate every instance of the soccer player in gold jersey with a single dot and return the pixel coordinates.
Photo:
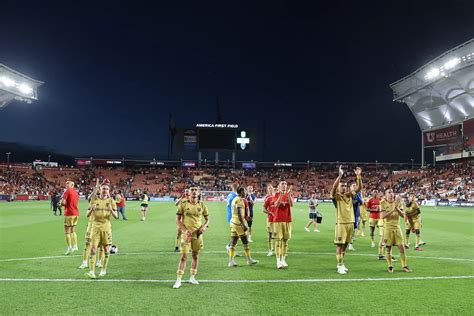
(238, 228)
(342, 197)
(413, 222)
(390, 212)
(100, 209)
(189, 220)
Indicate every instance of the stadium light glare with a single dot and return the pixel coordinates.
(433, 73)
(7, 82)
(452, 63)
(26, 89)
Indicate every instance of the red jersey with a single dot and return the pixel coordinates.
(122, 201)
(71, 198)
(283, 211)
(268, 205)
(373, 203)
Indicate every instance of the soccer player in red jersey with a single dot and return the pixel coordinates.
(268, 208)
(375, 221)
(70, 200)
(283, 201)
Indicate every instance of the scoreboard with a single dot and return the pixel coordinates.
(226, 137)
(216, 137)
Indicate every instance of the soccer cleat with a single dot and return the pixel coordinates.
(283, 262)
(83, 265)
(98, 264)
(251, 261)
(418, 248)
(193, 280)
(422, 243)
(176, 249)
(270, 253)
(341, 270)
(372, 245)
(307, 229)
(68, 251)
(394, 259)
(406, 269)
(102, 273)
(279, 265)
(250, 240)
(351, 247)
(407, 247)
(390, 269)
(382, 257)
(91, 275)
(343, 266)
(75, 249)
(316, 230)
(177, 284)
(232, 263)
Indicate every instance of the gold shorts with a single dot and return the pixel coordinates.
(236, 230)
(375, 222)
(195, 244)
(70, 220)
(281, 231)
(363, 214)
(416, 223)
(269, 227)
(343, 233)
(392, 236)
(101, 237)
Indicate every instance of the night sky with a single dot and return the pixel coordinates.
(319, 74)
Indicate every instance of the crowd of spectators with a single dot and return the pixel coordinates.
(444, 181)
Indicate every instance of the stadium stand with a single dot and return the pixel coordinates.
(442, 181)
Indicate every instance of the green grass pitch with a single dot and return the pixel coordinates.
(28, 230)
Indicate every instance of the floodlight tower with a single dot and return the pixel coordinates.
(17, 86)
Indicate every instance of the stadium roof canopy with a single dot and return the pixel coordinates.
(440, 93)
(16, 86)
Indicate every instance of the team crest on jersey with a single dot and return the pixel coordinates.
(199, 210)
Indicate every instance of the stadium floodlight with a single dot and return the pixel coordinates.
(17, 86)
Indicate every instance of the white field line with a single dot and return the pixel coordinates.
(223, 252)
(244, 281)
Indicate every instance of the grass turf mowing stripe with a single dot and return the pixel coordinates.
(244, 281)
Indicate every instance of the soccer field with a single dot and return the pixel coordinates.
(37, 278)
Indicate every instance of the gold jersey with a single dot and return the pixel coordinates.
(411, 208)
(237, 202)
(100, 216)
(192, 214)
(344, 208)
(393, 220)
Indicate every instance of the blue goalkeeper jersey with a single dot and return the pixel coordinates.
(230, 198)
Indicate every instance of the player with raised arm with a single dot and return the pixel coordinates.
(238, 230)
(101, 207)
(282, 222)
(391, 211)
(268, 208)
(182, 199)
(189, 217)
(342, 195)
